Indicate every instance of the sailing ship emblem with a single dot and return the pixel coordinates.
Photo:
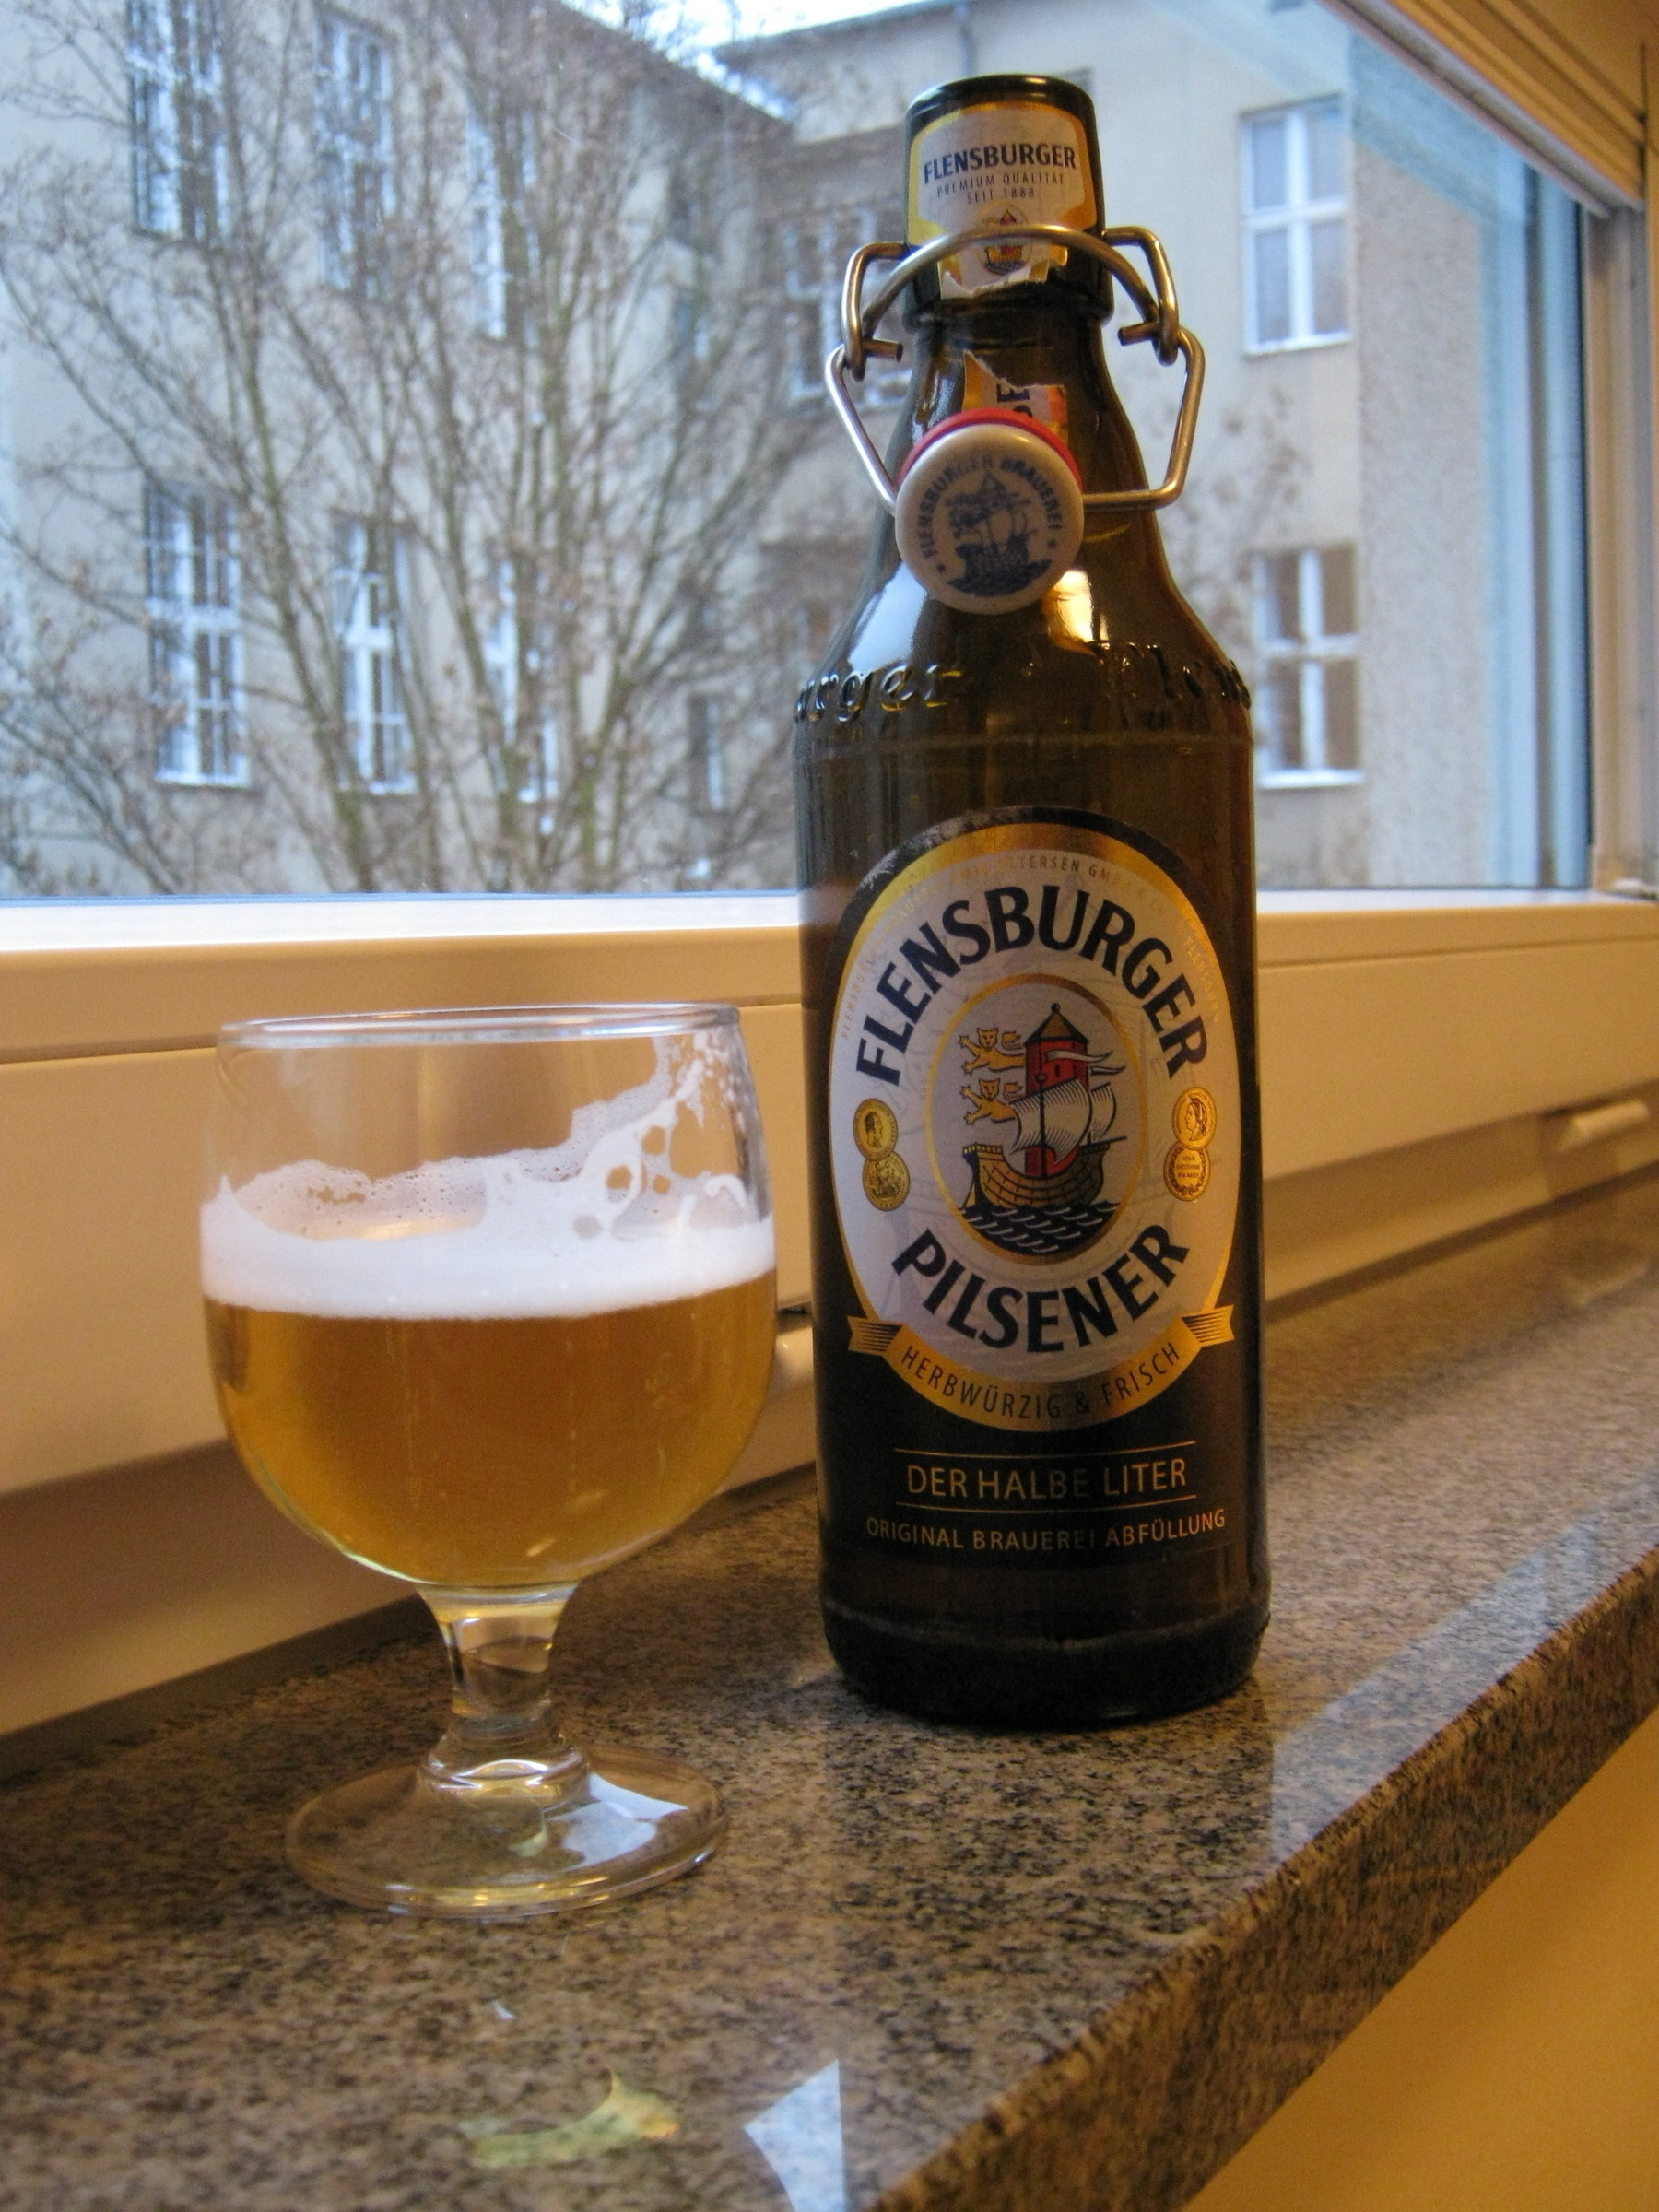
(990, 525)
(1041, 1190)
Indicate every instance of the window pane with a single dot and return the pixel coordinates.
(1280, 706)
(1327, 259)
(1341, 714)
(1280, 605)
(494, 506)
(1269, 163)
(1337, 600)
(1325, 151)
(1271, 249)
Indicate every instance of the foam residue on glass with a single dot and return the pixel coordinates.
(599, 1223)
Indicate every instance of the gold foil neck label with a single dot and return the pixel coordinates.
(982, 387)
(1021, 1014)
(986, 168)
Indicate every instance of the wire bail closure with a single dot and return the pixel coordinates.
(1160, 326)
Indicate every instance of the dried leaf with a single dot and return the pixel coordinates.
(621, 2119)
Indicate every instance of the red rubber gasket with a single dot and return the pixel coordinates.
(1007, 415)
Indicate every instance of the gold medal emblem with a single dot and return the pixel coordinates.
(1186, 1170)
(874, 1130)
(1194, 1117)
(886, 1181)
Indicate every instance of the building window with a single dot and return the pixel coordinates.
(354, 152)
(1296, 274)
(1307, 637)
(190, 592)
(705, 779)
(530, 734)
(500, 175)
(684, 206)
(689, 329)
(814, 260)
(368, 560)
(174, 94)
(705, 753)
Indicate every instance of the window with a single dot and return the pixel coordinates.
(705, 783)
(190, 580)
(1307, 706)
(501, 172)
(173, 92)
(685, 210)
(617, 273)
(368, 559)
(354, 151)
(705, 753)
(529, 731)
(1296, 275)
(689, 329)
(1569, 1019)
(814, 257)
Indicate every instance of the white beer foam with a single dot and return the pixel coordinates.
(595, 1225)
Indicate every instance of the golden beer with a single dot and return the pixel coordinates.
(489, 1300)
(495, 1454)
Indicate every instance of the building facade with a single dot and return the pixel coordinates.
(1383, 524)
(389, 409)
(415, 469)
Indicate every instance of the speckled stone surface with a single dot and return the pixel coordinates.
(933, 1969)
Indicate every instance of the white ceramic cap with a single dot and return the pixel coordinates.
(989, 511)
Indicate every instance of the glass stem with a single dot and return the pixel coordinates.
(500, 1726)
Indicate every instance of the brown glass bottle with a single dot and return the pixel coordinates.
(1091, 1547)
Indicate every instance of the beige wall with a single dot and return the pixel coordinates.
(1513, 2069)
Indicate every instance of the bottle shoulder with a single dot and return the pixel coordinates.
(1108, 652)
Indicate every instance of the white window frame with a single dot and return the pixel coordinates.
(367, 596)
(174, 95)
(813, 303)
(193, 608)
(1296, 219)
(1310, 652)
(1518, 1006)
(543, 776)
(706, 752)
(354, 148)
(486, 212)
(487, 241)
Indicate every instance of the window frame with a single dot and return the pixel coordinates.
(179, 624)
(371, 648)
(814, 304)
(1311, 653)
(181, 76)
(1295, 217)
(347, 249)
(1519, 1005)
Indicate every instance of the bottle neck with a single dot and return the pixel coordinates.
(1037, 351)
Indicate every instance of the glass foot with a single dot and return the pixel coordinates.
(507, 1843)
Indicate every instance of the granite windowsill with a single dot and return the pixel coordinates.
(960, 1970)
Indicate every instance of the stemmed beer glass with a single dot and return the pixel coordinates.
(490, 1303)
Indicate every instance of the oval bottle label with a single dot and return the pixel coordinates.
(1034, 1112)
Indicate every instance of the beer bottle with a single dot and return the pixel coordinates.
(1024, 790)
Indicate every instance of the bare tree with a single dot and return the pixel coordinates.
(482, 351)
(1248, 478)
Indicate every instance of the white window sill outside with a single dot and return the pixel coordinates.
(1307, 779)
(1255, 349)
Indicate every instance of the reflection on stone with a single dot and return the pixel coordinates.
(1321, 1768)
(800, 2138)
